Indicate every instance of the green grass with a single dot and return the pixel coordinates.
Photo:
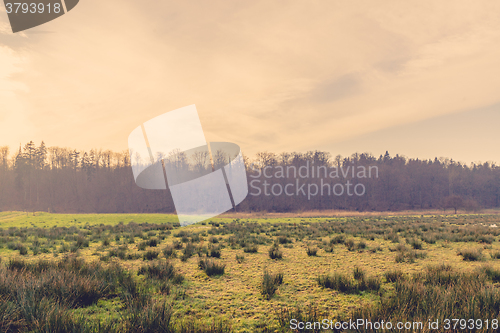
(340, 252)
(48, 220)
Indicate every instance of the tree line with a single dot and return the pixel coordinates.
(63, 180)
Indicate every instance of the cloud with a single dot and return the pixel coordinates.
(268, 75)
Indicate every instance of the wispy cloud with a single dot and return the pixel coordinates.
(268, 75)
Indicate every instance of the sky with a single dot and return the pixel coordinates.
(416, 78)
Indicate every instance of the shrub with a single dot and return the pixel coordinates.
(495, 255)
(400, 257)
(36, 250)
(188, 251)
(416, 244)
(401, 248)
(338, 282)
(150, 255)
(344, 284)
(307, 314)
(394, 275)
(210, 267)
(275, 253)
(215, 252)
(251, 249)
(169, 251)
(451, 295)
(82, 242)
(487, 239)
(142, 246)
(148, 316)
(201, 250)
(471, 254)
(491, 273)
(369, 283)
(23, 250)
(339, 239)
(417, 255)
(240, 259)
(284, 240)
(163, 270)
(270, 283)
(153, 242)
(351, 246)
(358, 273)
(361, 245)
(312, 251)
(375, 249)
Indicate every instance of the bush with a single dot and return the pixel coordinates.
(163, 270)
(492, 274)
(23, 250)
(275, 253)
(240, 259)
(487, 239)
(270, 283)
(416, 244)
(358, 273)
(351, 246)
(400, 257)
(188, 251)
(169, 251)
(401, 248)
(394, 275)
(210, 267)
(251, 249)
(284, 240)
(375, 249)
(344, 284)
(338, 282)
(339, 239)
(369, 283)
(439, 291)
(214, 252)
(82, 242)
(150, 255)
(153, 242)
(471, 254)
(201, 250)
(312, 251)
(307, 314)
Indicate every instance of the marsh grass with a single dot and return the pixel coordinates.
(275, 252)
(112, 307)
(312, 251)
(211, 267)
(270, 284)
(471, 254)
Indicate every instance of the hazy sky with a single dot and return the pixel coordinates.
(418, 78)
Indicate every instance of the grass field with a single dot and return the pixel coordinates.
(209, 277)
